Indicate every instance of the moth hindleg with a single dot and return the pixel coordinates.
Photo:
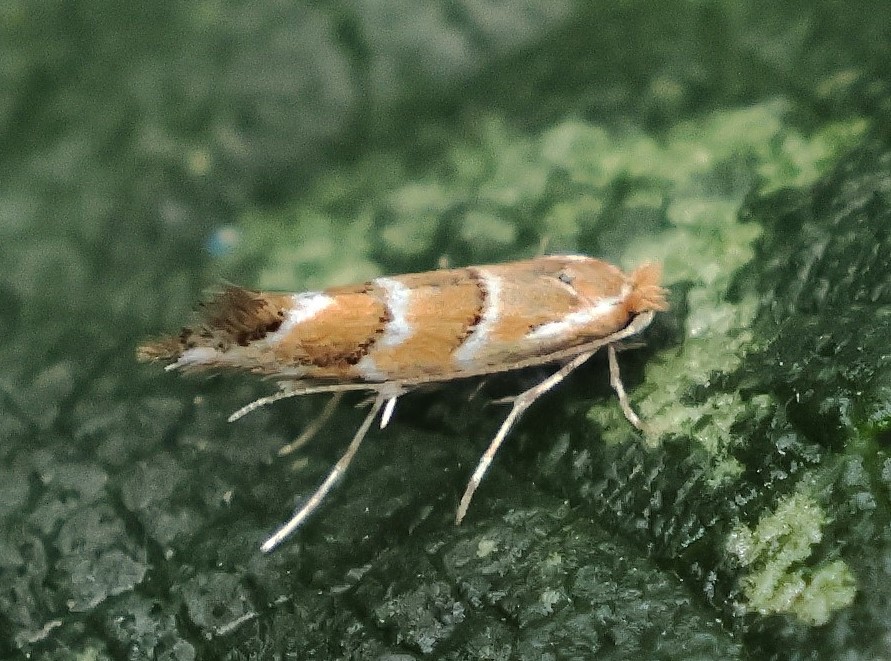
(339, 469)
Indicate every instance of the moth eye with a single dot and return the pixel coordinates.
(565, 278)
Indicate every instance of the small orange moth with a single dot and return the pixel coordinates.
(393, 334)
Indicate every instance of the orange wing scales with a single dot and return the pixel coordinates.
(436, 324)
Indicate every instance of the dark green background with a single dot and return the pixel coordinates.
(148, 151)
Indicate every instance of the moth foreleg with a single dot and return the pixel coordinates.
(520, 403)
(615, 380)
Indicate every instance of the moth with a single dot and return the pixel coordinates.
(393, 334)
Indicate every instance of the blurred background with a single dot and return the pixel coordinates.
(150, 151)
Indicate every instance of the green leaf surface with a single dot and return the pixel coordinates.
(149, 152)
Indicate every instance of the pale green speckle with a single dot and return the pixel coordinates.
(307, 250)
(407, 237)
(799, 161)
(565, 219)
(501, 194)
(485, 548)
(775, 553)
(478, 226)
(704, 248)
(549, 599)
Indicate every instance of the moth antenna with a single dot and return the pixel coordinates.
(521, 402)
(615, 380)
(263, 401)
(339, 469)
(313, 428)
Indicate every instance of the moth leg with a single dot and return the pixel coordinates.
(520, 403)
(388, 410)
(615, 380)
(313, 428)
(260, 403)
(393, 393)
(339, 469)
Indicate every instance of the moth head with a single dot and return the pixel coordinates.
(647, 292)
